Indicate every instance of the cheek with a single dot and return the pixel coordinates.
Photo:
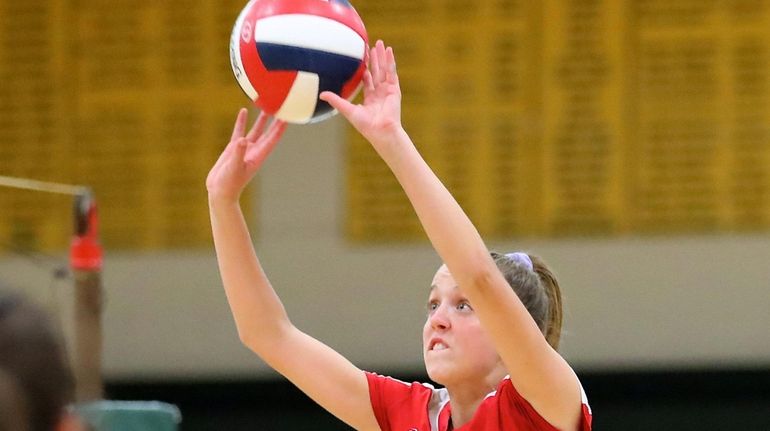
(479, 341)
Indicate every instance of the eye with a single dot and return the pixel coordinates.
(464, 306)
(432, 306)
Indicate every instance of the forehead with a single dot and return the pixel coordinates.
(442, 273)
(443, 281)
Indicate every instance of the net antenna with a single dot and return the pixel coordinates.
(86, 264)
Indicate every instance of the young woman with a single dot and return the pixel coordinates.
(493, 320)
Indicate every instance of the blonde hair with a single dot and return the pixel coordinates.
(537, 288)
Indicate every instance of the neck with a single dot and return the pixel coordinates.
(467, 397)
(464, 405)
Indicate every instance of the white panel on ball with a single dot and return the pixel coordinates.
(236, 60)
(327, 35)
(297, 107)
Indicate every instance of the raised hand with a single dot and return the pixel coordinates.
(378, 118)
(243, 156)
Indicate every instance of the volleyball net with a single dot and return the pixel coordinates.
(85, 346)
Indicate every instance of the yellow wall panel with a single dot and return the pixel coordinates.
(33, 120)
(465, 69)
(130, 97)
(582, 117)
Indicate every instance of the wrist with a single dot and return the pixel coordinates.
(222, 200)
(393, 143)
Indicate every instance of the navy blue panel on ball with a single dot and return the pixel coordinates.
(333, 70)
(342, 2)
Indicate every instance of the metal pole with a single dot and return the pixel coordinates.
(86, 263)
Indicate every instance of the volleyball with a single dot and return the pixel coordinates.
(284, 53)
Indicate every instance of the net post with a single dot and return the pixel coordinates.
(86, 263)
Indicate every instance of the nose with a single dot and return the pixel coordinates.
(439, 319)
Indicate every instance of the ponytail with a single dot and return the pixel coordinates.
(554, 318)
(537, 288)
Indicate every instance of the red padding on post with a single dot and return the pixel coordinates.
(85, 250)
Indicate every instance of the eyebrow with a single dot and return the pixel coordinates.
(433, 287)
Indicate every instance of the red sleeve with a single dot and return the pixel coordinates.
(377, 396)
(524, 409)
(588, 417)
(394, 401)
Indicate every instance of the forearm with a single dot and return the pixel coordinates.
(449, 229)
(462, 249)
(259, 315)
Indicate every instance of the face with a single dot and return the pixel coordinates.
(456, 347)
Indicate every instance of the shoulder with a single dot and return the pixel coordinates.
(515, 406)
(403, 405)
(389, 389)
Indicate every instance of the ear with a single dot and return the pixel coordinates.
(70, 422)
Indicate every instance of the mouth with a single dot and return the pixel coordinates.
(437, 345)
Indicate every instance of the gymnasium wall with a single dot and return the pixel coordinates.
(644, 182)
(632, 302)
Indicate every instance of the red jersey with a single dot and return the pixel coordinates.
(401, 406)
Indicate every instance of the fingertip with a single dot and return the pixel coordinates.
(329, 97)
(240, 124)
(390, 56)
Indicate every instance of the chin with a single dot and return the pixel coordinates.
(439, 373)
(437, 377)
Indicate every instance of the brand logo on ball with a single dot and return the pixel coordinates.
(246, 32)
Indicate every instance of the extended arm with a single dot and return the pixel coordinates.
(540, 373)
(263, 326)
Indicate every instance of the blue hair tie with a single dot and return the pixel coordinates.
(522, 259)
